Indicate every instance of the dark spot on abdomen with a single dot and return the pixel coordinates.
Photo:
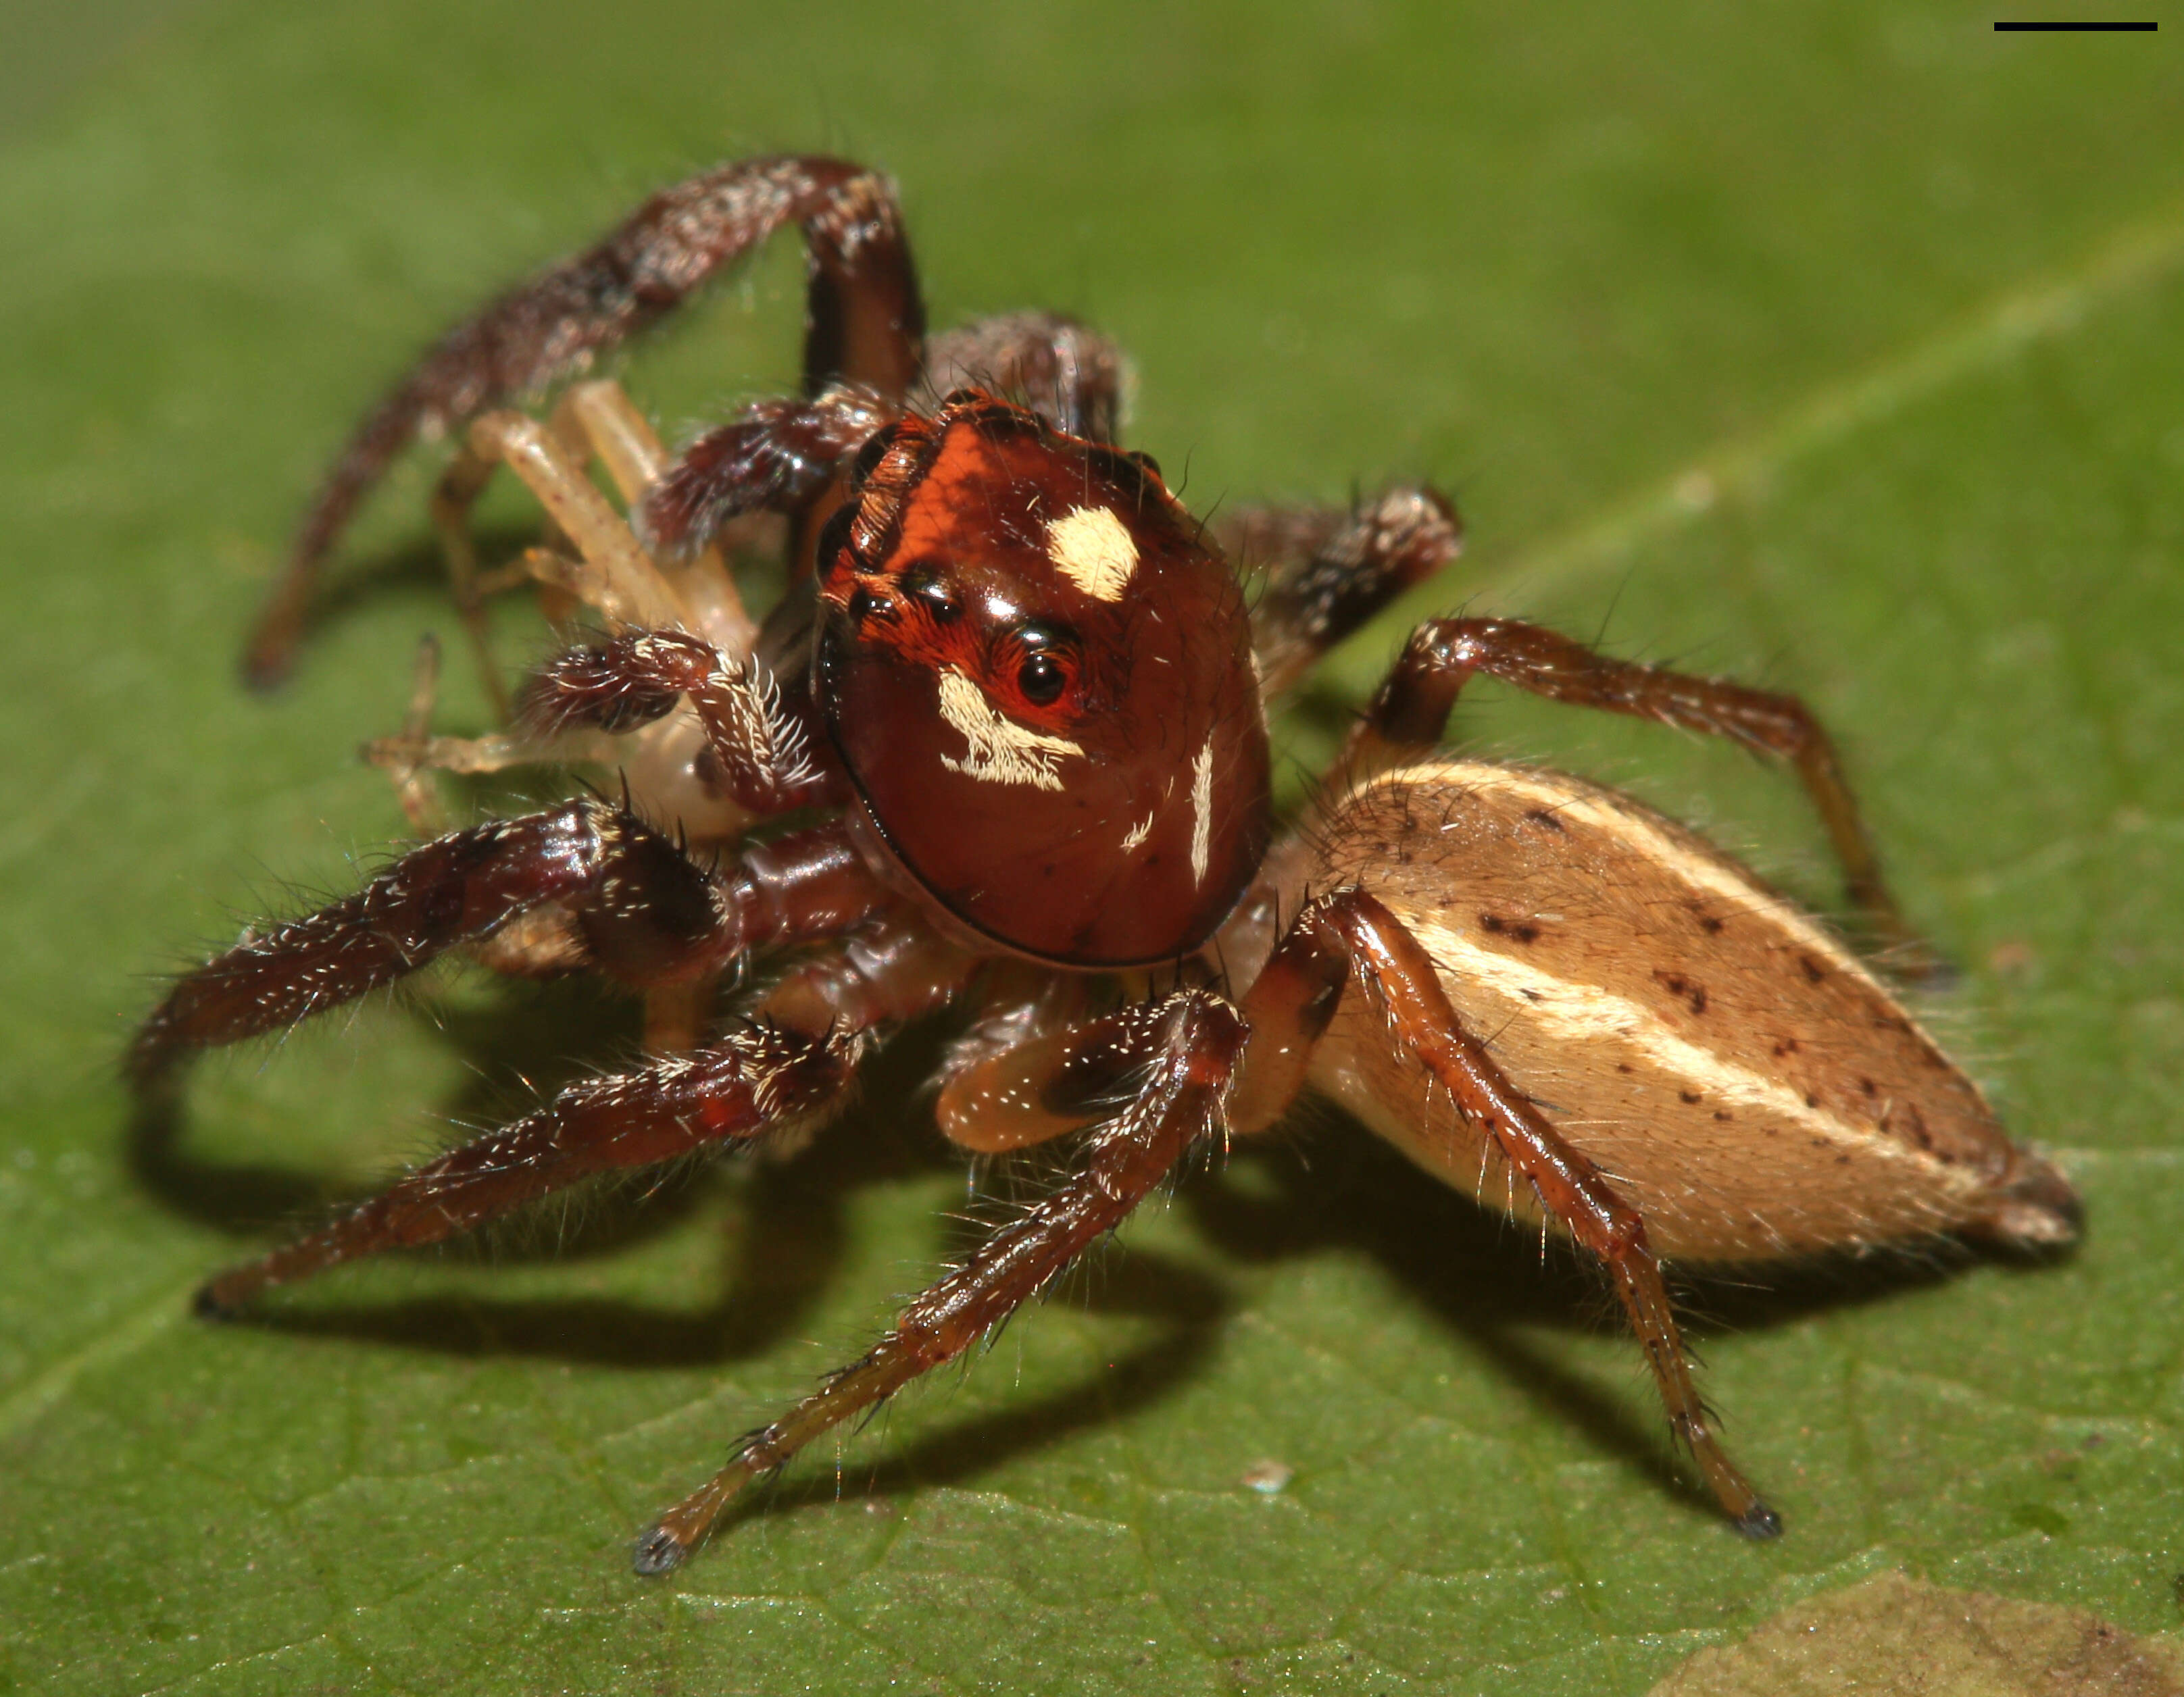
(1678, 985)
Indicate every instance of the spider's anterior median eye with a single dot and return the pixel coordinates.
(1043, 668)
(1041, 679)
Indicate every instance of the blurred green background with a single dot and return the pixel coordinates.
(1837, 347)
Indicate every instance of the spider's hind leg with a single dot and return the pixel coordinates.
(1413, 706)
(1394, 972)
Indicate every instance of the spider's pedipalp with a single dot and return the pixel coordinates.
(776, 457)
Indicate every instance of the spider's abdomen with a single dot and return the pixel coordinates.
(1740, 1078)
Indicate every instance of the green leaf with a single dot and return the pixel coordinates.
(1838, 348)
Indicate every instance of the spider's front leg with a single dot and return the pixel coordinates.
(865, 324)
(790, 1062)
(1407, 716)
(1181, 1074)
(642, 912)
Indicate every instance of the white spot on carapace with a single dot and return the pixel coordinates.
(999, 751)
(1134, 837)
(1201, 813)
(1094, 551)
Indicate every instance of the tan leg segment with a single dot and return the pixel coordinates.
(598, 417)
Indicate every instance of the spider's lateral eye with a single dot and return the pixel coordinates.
(870, 455)
(834, 537)
(943, 608)
(1145, 463)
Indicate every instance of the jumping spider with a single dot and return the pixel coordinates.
(1002, 747)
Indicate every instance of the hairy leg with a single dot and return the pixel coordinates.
(1328, 569)
(770, 757)
(646, 916)
(1070, 375)
(770, 1074)
(1412, 707)
(1186, 1078)
(780, 456)
(864, 324)
(752, 1081)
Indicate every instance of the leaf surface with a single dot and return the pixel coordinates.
(1838, 348)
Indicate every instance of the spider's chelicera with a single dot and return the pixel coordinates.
(1002, 746)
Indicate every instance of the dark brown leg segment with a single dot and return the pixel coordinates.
(1412, 708)
(777, 456)
(646, 914)
(765, 1076)
(864, 324)
(1328, 569)
(1070, 375)
(1187, 1076)
(754, 1080)
(1394, 971)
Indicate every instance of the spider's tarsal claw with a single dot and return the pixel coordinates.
(658, 1552)
(1760, 1522)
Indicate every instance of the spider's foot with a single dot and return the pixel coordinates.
(659, 1551)
(1759, 1522)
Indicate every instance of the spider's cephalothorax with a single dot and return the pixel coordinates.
(1002, 746)
(1037, 673)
